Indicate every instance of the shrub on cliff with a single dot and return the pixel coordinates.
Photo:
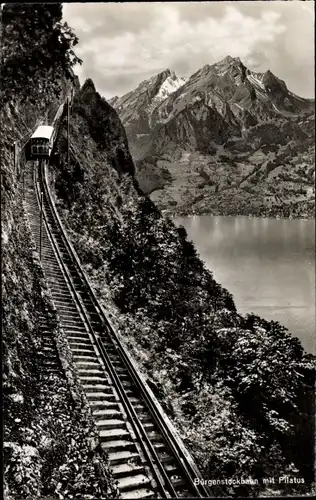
(37, 50)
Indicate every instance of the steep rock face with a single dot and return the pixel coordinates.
(196, 127)
(147, 95)
(136, 107)
(49, 435)
(225, 111)
(47, 424)
(104, 126)
(96, 132)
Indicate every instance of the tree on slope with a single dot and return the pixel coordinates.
(36, 51)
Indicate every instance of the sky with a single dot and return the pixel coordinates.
(122, 44)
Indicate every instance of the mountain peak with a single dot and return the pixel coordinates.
(167, 73)
(230, 59)
(226, 65)
(270, 75)
(88, 86)
(273, 82)
(168, 83)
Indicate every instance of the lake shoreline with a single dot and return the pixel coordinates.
(268, 264)
(173, 215)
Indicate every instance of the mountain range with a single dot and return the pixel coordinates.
(226, 141)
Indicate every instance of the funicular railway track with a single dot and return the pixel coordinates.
(146, 458)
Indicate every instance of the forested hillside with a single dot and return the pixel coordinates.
(239, 388)
(50, 440)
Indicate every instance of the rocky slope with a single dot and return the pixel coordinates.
(239, 389)
(136, 107)
(227, 141)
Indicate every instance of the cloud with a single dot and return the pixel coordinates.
(122, 44)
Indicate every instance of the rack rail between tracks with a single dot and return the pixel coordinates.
(182, 457)
(189, 469)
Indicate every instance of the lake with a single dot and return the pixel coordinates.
(267, 264)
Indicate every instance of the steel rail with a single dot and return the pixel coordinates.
(134, 418)
(190, 470)
(147, 447)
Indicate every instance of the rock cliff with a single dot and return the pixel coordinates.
(50, 440)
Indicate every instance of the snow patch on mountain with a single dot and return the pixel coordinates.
(170, 85)
(238, 105)
(253, 78)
